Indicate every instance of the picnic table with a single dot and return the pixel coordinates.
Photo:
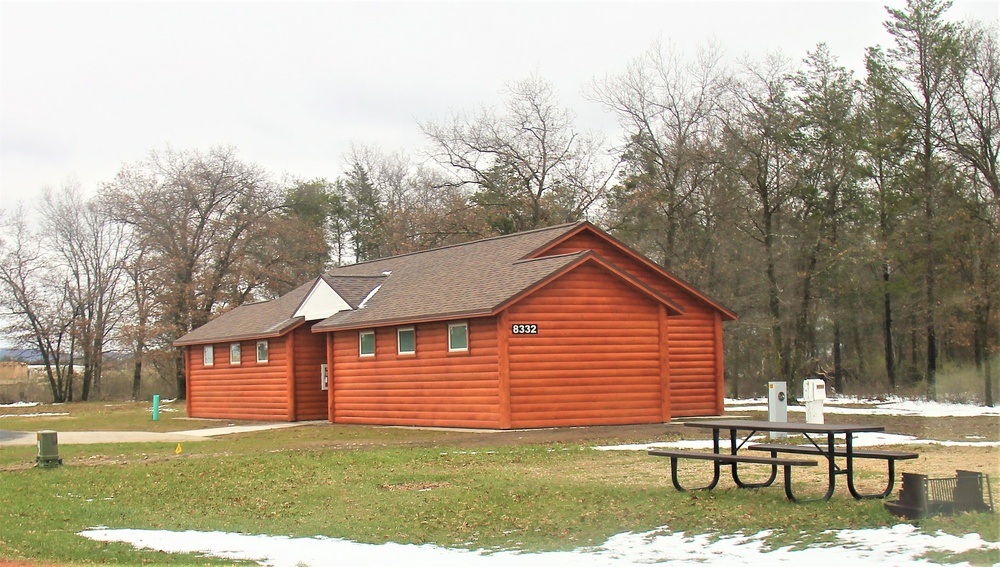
(822, 443)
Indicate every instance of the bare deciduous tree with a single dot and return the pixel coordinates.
(527, 166)
(34, 297)
(669, 109)
(92, 252)
(199, 217)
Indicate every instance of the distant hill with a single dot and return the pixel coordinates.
(21, 355)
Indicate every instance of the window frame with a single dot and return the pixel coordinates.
(361, 344)
(208, 355)
(324, 377)
(266, 351)
(399, 344)
(237, 349)
(451, 346)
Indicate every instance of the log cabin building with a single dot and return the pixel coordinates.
(560, 326)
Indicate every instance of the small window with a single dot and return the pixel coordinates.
(367, 343)
(208, 355)
(458, 337)
(234, 353)
(406, 340)
(324, 377)
(261, 351)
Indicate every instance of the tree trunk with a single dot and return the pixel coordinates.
(88, 376)
(181, 373)
(930, 290)
(774, 307)
(914, 349)
(838, 366)
(805, 337)
(137, 376)
(890, 353)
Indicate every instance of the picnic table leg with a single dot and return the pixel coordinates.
(850, 475)
(677, 484)
(716, 468)
(735, 472)
(832, 474)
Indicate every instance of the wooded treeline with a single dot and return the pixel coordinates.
(850, 221)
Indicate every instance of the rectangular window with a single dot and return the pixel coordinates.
(458, 337)
(234, 353)
(367, 343)
(208, 355)
(324, 377)
(406, 340)
(261, 351)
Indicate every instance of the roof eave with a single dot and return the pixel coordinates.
(471, 314)
(673, 308)
(284, 329)
(727, 314)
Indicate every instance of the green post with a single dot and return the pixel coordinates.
(156, 407)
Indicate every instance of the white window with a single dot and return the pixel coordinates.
(261, 351)
(366, 343)
(234, 353)
(208, 355)
(458, 337)
(324, 377)
(406, 340)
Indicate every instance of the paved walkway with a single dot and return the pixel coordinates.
(24, 438)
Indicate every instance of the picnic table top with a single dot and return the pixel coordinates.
(790, 427)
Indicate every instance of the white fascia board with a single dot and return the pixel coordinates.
(321, 302)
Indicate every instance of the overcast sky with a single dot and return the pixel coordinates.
(86, 87)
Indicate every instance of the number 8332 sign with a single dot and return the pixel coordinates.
(524, 329)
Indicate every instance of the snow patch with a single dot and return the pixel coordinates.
(897, 545)
(371, 294)
(19, 405)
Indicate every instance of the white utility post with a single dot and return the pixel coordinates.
(813, 394)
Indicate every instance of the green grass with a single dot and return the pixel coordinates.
(376, 485)
(102, 416)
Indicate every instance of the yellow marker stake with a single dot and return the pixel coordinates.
(178, 450)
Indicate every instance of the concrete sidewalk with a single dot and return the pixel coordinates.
(25, 438)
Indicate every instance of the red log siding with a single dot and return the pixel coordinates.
(310, 353)
(250, 390)
(595, 359)
(430, 388)
(693, 341)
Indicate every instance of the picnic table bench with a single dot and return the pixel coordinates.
(827, 450)
(726, 458)
(890, 457)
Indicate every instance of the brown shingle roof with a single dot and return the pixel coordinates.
(454, 281)
(253, 320)
(353, 289)
(464, 280)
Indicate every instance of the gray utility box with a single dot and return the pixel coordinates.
(777, 406)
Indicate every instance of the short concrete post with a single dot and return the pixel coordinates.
(48, 450)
